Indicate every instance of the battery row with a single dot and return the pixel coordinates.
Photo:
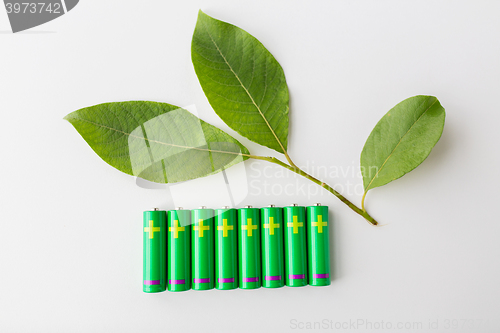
(229, 248)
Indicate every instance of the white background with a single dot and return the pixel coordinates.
(70, 237)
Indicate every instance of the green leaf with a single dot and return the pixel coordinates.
(156, 141)
(401, 140)
(242, 80)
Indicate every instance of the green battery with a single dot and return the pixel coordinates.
(226, 245)
(318, 245)
(155, 251)
(295, 246)
(273, 270)
(179, 250)
(202, 248)
(249, 248)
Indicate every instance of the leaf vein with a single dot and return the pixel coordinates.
(399, 142)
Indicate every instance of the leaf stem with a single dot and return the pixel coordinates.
(327, 187)
(290, 160)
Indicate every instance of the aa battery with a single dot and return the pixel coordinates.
(249, 248)
(273, 269)
(295, 246)
(179, 250)
(318, 245)
(226, 245)
(155, 251)
(202, 255)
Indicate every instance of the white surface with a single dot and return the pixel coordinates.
(71, 241)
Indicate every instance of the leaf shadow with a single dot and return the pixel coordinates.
(290, 119)
(436, 165)
(435, 162)
(9, 32)
(443, 148)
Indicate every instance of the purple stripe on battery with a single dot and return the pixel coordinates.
(273, 277)
(226, 280)
(254, 279)
(207, 280)
(151, 282)
(176, 281)
(296, 276)
(321, 276)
